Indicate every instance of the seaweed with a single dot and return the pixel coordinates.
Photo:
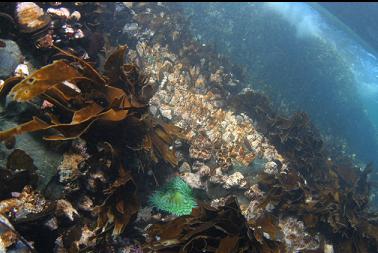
(108, 110)
(121, 204)
(210, 229)
(330, 195)
(82, 97)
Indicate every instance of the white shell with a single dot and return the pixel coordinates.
(75, 15)
(21, 70)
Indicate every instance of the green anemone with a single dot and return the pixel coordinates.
(176, 197)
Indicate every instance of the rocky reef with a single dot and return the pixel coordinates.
(126, 119)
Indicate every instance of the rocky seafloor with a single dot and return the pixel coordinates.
(105, 103)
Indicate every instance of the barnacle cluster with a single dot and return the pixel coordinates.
(31, 17)
(175, 197)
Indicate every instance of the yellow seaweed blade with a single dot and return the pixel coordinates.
(114, 63)
(91, 71)
(7, 86)
(34, 125)
(75, 130)
(86, 113)
(42, 80)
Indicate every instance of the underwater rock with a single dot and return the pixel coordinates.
(23, 203)
(68, 170)
(185, 167)
(166, 112)
(61, 12)
(196, 166)
(219, 202)
(235, 180)
(52, 223)
(217, 77)
(131, 29)
(256, 196)
(10, 57)
(20, 171)
(200, 149)
(204, 171)
(45, 158)
(271, 167)
(193, 180)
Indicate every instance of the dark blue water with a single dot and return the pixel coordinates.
(305, 57)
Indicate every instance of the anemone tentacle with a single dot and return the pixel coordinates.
(176, 197)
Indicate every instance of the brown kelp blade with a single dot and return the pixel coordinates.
(73, 131)
(92, 72)
(42, 80)
(7, 86)
(114, 63)
(34, 125)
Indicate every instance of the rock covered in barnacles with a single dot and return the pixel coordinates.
(68, 169)
(166, 112)
(296, 237)
(201, 148)
(185, 167)
(254, 193)
(80, 146)
(186, 107)
(217, 77)
(204, 171)
(10, 238)
(271, 167)
(235, 180)
(131, 29)
(200, 83)
(10, 57)
(61, 12)
(219, 202)
(193, 180)
(31, 17)
(256, 196)
(24, 204)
